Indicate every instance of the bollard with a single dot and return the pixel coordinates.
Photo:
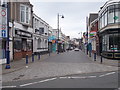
(94, 56)
(33, 57)
(38, 56)
(26, 58)
(101, 59)
(49, 53)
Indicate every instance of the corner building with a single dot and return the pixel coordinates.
(109, 29)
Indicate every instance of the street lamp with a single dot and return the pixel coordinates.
(58, 30)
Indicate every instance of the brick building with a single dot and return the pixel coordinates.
(21, 29)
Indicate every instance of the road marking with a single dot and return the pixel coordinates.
(107, 74)
(78, 77)
(92, 76)
(62, 77)
(38, 82)
(8, 86)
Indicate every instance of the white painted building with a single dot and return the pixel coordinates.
(40, 35)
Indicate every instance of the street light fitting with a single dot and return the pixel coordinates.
(62, 16)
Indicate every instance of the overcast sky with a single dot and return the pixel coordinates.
(74, 12)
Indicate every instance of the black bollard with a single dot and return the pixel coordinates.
(49, 53)
(26, 58)
(33, 57)
(38, 56)
(101, 59)
(94, 56)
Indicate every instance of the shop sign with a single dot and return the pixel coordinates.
(92, 33)
(25, 34)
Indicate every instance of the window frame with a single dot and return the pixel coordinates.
(25, 15)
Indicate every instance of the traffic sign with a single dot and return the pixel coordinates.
(3, 13)
(3, 33)
(3, 22)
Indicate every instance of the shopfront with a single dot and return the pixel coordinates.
(109, 30)
(52, 43)
(22, 44)
(111, 43)
(2, 48)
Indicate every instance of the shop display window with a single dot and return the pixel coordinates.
(111, 42)
(17, 45)
(29, 45)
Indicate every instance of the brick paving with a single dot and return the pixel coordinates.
(49, 67)
(105, 61)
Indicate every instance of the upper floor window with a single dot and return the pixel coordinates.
(111, 14)
(117, 13)
(25, 14)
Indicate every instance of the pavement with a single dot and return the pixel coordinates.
(105, 61)
(20, 64)
(67, 63)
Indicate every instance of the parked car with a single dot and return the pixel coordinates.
(76, 49)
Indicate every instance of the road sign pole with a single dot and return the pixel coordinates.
(7, 51)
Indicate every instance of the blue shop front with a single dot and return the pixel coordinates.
(52, 43)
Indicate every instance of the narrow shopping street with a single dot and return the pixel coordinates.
(59, 44)
(60, 65)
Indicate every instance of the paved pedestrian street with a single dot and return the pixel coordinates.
(67, 63)
(59, 44)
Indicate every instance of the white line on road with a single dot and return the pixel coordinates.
(63, 77)
(37, 82)
(8, 86)
(107, 74)
(78, 77)
(92, 76)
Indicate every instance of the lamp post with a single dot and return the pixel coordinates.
(58, 31)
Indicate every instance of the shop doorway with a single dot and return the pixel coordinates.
(24, 47)
(3, 49)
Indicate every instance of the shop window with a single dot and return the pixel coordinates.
(24, 45)
(39, 43)
(29, 45)
(111, 42)
(46, 43)
(116, 43)
(2, 49)
(17, 45)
